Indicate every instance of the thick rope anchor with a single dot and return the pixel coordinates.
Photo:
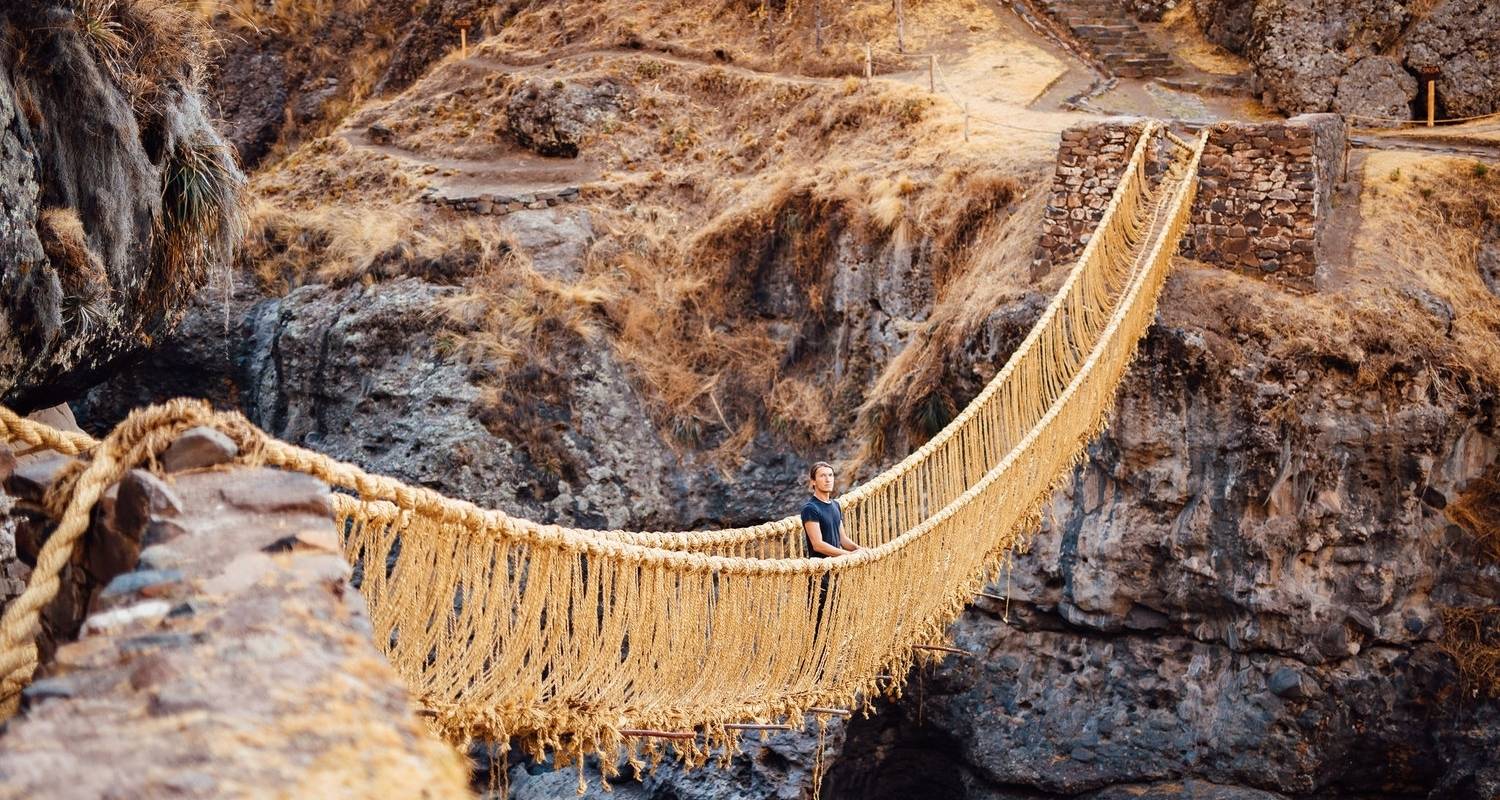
(137, 440)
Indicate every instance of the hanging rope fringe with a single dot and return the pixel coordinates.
(564, 639)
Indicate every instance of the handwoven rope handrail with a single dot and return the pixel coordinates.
(1121, 221)
(563, 639)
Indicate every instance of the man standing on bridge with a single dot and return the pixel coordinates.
(822, 519)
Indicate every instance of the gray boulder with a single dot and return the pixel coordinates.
(1226, 23)
(1300, 50)
(1460, 41)
(554, 117)
(1376, 86)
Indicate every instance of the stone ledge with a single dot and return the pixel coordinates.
(233, 659)
(499, 204)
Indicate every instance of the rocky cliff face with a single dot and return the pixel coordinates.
(1242, 587)
(118, 196)
(1363, 56)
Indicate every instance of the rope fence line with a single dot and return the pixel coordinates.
(568, 640)
(1393, 122)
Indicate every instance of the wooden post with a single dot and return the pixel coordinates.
(869, 63)
(900, 27)
(463, 42)
(966, 122)
(932, 73)
(657, 734)
(1431, 102)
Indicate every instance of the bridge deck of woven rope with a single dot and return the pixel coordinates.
(572, 640)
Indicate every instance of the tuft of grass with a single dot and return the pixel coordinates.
(202, 218)
(514, 318)
(85, 285)
(1477, 510)
(1480, 170)
(103, 32)
(66, 245)
(911, 110)
(149, 47)
(1471, 637)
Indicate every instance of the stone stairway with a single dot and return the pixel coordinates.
(1107, 27)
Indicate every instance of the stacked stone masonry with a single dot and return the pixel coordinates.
(1090, 161)
(500, 204)
(224, 655)
(1263, 194)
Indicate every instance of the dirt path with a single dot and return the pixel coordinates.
(1342, 225)
(1472, 149)
(510, 172)
(509, 66)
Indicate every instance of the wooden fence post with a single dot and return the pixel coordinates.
(869, 63)
(932, 73)
(1431, 102)
(900, 27)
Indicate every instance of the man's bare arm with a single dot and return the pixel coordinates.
(847, 543)
(815, 540)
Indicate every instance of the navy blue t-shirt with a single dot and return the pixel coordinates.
(830, 519)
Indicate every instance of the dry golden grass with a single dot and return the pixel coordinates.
(148, 46)
(813, 37)
(1471, 636)
(84, 281)
(985, 267)
(1418, 240)
(717, 184)
(1188, 42)
(350, 41)
(1477, 510)
(66, 246)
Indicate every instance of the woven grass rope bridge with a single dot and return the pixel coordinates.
(567, 640)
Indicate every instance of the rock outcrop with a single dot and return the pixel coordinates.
(1376, 87)
(1460, 41)
(372, 374)
(1251, 604)
(1312, 57)
(289, 71)
(118, 195)
(553, 117)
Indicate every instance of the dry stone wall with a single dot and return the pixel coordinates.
(225, 654)
(1263, 193)
(1090, 161)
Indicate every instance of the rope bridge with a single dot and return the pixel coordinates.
(566, 640)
